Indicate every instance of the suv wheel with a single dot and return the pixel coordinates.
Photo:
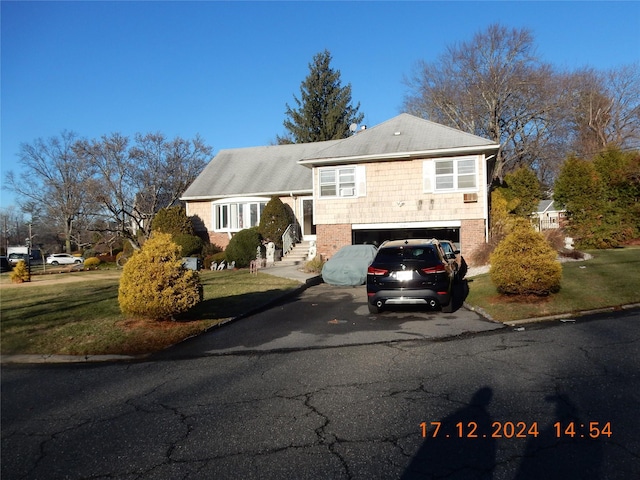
(373, 308)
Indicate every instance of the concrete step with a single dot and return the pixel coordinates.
(297, 255)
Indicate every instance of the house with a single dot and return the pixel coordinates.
(406, 177)
(548, 216)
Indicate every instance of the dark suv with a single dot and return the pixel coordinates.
(412, 271)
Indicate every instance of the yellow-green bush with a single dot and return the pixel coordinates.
(20, 273)
(92, 262)
(154, 284)
(524, 263)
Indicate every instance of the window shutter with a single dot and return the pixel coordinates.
(361, 181)
(427, 176)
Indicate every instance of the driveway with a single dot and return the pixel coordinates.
(330, 316)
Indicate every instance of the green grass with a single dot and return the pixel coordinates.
(611, 278)
(83, 317)
(51, 315)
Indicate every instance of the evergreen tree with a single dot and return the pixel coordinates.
(274, 221)
(522, 191)
(324, 109)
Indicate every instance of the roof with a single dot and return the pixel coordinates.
(284, 169)
(548, 206)
(256, 171)
(404, 136)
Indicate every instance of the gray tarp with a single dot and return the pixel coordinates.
(349, 265)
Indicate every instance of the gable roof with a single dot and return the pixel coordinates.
(284, 169)
(545, 206)
(256, 171)
(404, 136)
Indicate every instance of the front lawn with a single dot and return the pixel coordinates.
(78, 314)
(609, 279)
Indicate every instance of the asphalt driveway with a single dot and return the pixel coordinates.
(329, 316)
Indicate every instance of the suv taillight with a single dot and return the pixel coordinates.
(437, 269)
(377, 271)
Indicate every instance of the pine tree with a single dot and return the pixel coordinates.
(324, 109)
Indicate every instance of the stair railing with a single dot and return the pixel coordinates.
(289, 238)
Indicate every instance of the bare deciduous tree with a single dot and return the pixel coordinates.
(605, 109)
(55, 179)
(138, 180)
(493, 86)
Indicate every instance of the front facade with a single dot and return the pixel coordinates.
(404, 178)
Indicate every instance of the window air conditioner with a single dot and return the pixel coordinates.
(347, 192)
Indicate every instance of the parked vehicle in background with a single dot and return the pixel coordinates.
(63, 259)
(348, 266)
(453, 253)
(15, 254)
(4, 265)
(412, 271)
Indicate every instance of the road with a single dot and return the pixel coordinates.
(242, 409)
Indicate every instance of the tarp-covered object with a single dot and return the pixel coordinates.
(349, 265)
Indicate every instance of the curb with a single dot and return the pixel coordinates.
(571, 315)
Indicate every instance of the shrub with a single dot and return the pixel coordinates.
(274, 220)
(243, 247)
(92, 262)
(154, 284)
(315, 265)
(121, 259)
(20, 273)
(524, 263)
(173, 220)
(190, 245)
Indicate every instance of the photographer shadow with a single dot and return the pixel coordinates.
(463, 447)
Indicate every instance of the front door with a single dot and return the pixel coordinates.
(308, 226)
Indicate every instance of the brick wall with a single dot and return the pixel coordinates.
(330, 238)
(472, 236)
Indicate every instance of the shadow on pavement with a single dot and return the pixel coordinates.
(458, 446)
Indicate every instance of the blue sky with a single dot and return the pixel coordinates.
(226, 70)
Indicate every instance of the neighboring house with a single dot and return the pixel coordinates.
(548, 216)
(406, 177)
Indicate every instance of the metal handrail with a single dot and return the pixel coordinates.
(289, 238)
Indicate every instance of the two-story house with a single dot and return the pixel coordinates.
(406, 177)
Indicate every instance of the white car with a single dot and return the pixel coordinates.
(63, 259)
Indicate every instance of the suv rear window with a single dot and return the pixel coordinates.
(423, 253)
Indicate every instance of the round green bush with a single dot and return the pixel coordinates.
(523, 263)
(154, 284)
(243, 247)
(191, 245)
(92, 262)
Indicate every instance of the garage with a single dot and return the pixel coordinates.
(376, 234)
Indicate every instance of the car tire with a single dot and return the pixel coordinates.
(77, 262)
(373, 309)
(55, 264)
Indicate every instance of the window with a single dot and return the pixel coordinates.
(237, 215)
(340, 181)
(450, 174)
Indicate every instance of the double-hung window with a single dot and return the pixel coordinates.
(451, 174)
(338, 182)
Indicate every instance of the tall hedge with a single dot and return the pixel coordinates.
(524, 263)
(154, 284)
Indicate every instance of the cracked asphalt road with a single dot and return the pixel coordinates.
(341, 412)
